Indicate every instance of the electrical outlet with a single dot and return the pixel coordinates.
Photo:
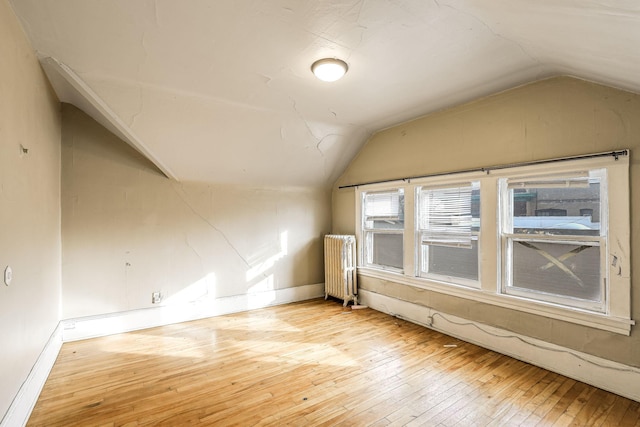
(156, 297)
(69, 324)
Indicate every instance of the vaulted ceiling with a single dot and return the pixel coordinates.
(221, 90)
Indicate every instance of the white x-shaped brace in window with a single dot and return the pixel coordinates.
(558, 261)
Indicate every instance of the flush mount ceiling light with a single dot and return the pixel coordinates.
(329, 69)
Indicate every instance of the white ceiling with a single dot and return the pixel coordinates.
(221, 90)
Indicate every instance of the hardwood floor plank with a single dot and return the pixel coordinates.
(617, 411)
(311, 363)
(631, 416)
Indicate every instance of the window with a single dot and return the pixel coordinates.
(552, 251)
(448, 224)
(383, 227)
(551, 239)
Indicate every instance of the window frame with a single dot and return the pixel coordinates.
(421, 271)
(616, 314)
(508, 237)
(367, 232)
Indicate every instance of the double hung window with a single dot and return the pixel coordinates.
(554, 232)
(448, 224)
(383, 228)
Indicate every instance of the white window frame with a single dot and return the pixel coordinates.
(508, 238)
(614, 316)
(366, 242)
(421, 236)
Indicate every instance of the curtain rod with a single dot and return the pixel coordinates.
(614, 154)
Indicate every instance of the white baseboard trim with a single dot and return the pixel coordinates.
(602, 373)
(96, 326)
(20, 410)
(90, 327)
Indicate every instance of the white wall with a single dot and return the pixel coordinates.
(29, 207)
(129, 231)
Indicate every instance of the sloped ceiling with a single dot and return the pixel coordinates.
(221, 90)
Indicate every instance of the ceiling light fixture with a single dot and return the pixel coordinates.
(329, 69)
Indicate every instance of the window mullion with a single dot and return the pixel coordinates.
(409, 236)
(488, 243)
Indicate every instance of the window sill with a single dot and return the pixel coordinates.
(593, 320)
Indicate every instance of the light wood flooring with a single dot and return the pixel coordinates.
(306, 364)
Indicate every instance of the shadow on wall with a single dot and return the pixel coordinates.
(129, 232)
(259, 278)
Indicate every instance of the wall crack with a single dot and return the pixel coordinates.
(211, 225)
(493, 32)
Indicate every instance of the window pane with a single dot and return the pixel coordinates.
(385, 249)
(449, 221)
(561, 207)
(383, 205)
(452, 261)
(383, 224)
(447, 216)
(561, 269)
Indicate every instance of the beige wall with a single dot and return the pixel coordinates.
(29, 207)
(129, 231)
(552, 118)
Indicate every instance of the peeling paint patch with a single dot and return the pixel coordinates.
(615, 264)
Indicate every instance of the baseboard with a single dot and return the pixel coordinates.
(20, 410)
(602, 373)
(90, 327)
(96, 326)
